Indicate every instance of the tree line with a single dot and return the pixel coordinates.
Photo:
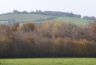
(49, 39)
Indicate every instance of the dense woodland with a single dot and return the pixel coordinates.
(49, 39)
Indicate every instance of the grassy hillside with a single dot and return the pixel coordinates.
(39, 18)
(73, 20)
(49, 61)
(24, 17)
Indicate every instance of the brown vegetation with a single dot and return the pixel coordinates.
(47, 40)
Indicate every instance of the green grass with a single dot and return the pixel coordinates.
(39, 18)
(22, 18)
(49, 61)
(73, 20)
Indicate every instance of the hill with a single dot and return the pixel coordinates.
(40, 17)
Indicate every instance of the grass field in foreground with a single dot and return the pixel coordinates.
(49, 61)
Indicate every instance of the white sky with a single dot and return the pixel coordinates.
(83, 7)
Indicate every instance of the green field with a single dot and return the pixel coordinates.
(40, 18)
(73, 20)
(49, 61)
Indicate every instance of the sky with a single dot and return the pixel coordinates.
(82, 7)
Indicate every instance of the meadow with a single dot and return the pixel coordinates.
(40, 18)
(49, 61)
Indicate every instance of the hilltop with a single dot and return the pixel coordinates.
(40, 17)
